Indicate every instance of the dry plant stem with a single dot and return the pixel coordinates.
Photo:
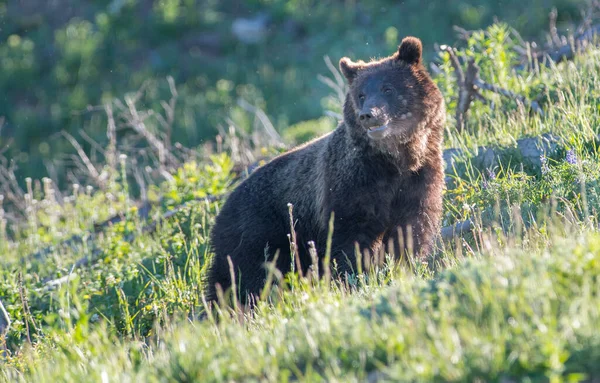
(9, 187)
(294, 243)
(136, 121)
(337, 85)
(266, 123)
(467, 89)
(563, 47)
(111, 134)
(553, 35)
(506, 93)
(236, 305)
(124, 116)
(469, 84)
(239, 147)
(272, 273)
(95, 146)
(314, 260)
(569, 49)
(91, 169)
(25, 305)
(169, 112)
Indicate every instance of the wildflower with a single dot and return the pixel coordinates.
(571, 158)
(491, 176)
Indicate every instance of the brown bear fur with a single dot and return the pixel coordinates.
(378, 171)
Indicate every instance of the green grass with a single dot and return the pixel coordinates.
(517, 300)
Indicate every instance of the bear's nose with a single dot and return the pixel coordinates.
(370, 117)
(364, 116)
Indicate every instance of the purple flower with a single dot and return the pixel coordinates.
(571, 158)
(491, 175)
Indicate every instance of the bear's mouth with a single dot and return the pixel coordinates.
(378, 132)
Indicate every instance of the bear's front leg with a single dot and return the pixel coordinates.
(418, 231)
(344, 243)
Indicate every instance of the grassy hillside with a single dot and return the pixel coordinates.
(516, 299)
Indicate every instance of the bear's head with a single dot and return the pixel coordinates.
(393, 98)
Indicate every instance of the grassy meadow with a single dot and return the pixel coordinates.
(515, 299)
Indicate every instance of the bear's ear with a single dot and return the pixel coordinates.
(410, 50)
(349, 69)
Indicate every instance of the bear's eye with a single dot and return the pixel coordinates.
(361, 97)
(387, 90)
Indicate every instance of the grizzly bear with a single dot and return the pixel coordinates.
(380, 173)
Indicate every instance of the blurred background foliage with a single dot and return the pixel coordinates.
(58, 57)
